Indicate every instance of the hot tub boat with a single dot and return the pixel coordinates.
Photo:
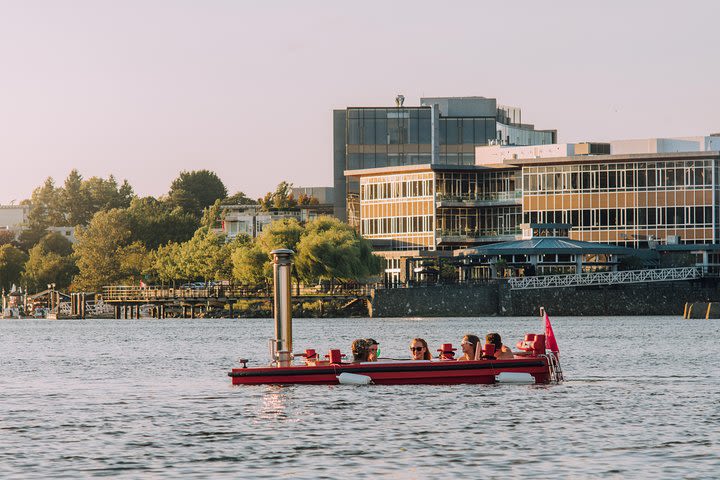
(537, 360)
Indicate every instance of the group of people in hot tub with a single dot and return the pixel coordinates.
(367, 349)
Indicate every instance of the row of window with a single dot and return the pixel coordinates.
(397, 225)
(621, 177)
(397, 189)
(475, 184)
(619, 218)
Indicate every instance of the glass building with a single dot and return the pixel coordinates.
(441, 131)
(628, 200)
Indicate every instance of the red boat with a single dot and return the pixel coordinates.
(537, 363)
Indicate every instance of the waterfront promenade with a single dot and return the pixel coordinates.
(191, 302)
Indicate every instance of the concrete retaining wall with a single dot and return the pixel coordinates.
(660, 298)
(435, 301)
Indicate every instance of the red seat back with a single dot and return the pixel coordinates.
(335, 356)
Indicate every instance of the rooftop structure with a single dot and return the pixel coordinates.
(440, 131)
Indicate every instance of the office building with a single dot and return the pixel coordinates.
(441, 131)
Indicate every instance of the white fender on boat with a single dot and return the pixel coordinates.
(353, 379)
(514, 377)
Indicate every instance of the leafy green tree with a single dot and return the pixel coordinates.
(99, 250)
(284, 233)
(155, 223)
(103, 195)
(12, 263)
(6, 236)
(74, 203)
(50, 261)
(212, 215)
(30, 237)
(203, 255)
(196, 190)
(332, 250)
(167, 265)
(239, 199)
(251, 265)
(134, 262)
(281, 199)
(45, 207)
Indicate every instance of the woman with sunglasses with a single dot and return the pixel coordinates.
(419, 349)
(469, 345)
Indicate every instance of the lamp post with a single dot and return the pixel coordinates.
(51, 288)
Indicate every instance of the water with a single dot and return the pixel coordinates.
(151, 398)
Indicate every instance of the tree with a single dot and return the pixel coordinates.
(251, 265)
(281, 199)
(99, 249)
(203, 255)
(103, 195)
(6, 236)
(45, 207)
(50, 261)
(12, 263)
(332, 250)
(134, 262)
(74, 203)
(283, 233)
(239, 199)
(155, 223)
(196, 190)
(166, 264)
(212, 215)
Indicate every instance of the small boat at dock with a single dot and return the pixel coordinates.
(537, 361)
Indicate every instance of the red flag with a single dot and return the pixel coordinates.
(550, 337)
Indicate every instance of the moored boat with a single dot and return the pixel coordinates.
(537, 361)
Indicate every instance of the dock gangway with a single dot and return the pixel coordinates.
(606, 278)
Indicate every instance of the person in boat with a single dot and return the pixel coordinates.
(373, 349)
(501, 351)
(469, 344)
(360, 350)
(419, 349)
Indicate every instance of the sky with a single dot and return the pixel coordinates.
(145, 89)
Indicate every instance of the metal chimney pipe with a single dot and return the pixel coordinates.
(282, 265)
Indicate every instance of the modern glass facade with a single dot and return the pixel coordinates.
(443, 134)
(628, 203)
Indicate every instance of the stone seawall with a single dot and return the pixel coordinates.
(496, 298)
(435, 301)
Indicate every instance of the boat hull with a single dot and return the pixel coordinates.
(448, 372)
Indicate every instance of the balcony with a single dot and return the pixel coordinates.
(479, 200)
(469, 237)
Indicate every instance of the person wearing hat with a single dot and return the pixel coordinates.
(469, 344)
(373, 349)
(501, 351)
(360, 350)
(419, 349)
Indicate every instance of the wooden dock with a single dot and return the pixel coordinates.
(163, 302)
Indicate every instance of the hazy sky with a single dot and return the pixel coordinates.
(144, 89)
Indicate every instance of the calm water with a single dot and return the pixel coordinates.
(151, 398)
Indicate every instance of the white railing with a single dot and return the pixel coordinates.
(605, 278)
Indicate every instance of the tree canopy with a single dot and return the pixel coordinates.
(196, 190)
(12, 264)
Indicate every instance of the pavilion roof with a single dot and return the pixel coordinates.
(541, 245)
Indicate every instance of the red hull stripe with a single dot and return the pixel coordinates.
(444, 368)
